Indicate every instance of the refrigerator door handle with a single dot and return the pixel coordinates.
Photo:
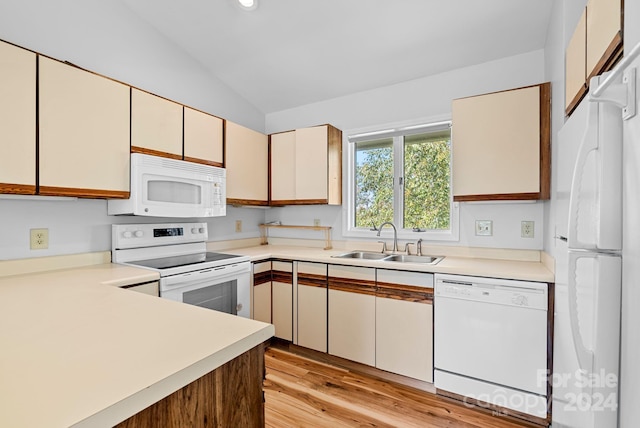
(585, 356)
(589, 143)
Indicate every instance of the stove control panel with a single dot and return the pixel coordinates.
(149, 235)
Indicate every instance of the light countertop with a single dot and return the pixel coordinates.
(78, 351)
(484, 267)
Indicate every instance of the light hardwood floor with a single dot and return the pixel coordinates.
(303, 392)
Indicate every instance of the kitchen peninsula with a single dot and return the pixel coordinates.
(77, 350)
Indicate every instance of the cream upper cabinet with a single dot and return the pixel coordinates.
(247, 162)
(595, 46)
(18, 113)
(575, 71)
(203, 139)
(84, 132)
(501, 145)
(156, 125)
(306, 166)
(404, 323)
(311, 285)
(283, 166)
(604, 35)
(352, 313)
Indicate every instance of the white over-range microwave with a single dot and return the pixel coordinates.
(162, 187)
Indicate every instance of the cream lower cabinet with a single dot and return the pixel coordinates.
(261, 292)
(404, 323)
(282, 299)
(247, 163)
(18, 113)
(352, 313)
(311, 307)
(84, 127)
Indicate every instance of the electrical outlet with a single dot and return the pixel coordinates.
(238, 226)
(527, 229)
(484, 228)
(316, 222)
(39, 239)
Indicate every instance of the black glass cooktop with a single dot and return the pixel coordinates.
(185, 260)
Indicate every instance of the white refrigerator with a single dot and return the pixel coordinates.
(588, 231)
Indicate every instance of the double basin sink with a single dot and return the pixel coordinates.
(383, 257)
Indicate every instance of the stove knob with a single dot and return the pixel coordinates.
(201, 230)
(194, 230)
(127, 234)
(138, 233)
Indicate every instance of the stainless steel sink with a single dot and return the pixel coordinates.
(399, 258)
(404, 258)
(367, 255)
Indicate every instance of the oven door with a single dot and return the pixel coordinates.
(224, 289)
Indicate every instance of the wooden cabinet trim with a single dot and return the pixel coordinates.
(82, 193)
(545, 141)
(234, 201)
(145, 151)
(280, 276)
(203, 162)
(407, 293)
(17, 189)
(498, 197)
(261, 278)
(300, 202)
(350, 285)
(576, 100)
(312, 280)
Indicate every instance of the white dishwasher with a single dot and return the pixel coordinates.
(490, 341)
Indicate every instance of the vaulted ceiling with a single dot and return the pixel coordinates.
(288, 53)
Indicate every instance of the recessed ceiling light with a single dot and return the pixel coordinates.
(248, 4)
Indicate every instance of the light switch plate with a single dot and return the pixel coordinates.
(484, 228)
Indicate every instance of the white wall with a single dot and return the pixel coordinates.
(425, 98)
(81, 226)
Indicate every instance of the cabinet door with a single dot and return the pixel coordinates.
(575, 66)
(84, 133)
(18, 113)
(604, 34)
(202, 138)
(247, 163)
(311, 170)
(501, 145)
(283, 167)
(261, 292)
(156, 125)
(352, 313)
(312, 306)
(404, 323)
(282, 294)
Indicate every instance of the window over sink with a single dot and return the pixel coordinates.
(401, 174)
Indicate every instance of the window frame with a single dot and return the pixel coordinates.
(349, 188)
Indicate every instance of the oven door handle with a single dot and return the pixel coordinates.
(219, 274)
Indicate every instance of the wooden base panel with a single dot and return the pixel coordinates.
(229, 396)
(17, 189)
(83, 193)
(301, 392)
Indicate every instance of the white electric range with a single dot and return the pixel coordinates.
(188, 272)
